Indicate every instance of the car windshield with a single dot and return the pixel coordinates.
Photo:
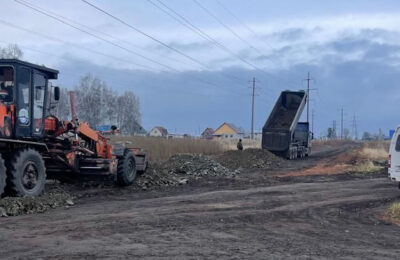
(6, 84)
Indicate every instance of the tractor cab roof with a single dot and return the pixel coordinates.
(51, 73)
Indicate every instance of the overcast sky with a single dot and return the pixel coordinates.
(351, 49)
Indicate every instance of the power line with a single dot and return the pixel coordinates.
(119, 83)
(236, 35)
(252, 107)
(40, 10)
(72, 44)
(110, 42)
(226, 26)
(245, 26)
(185, 22)
(100, 32)
(341, 125)
(236, 18)
(158, 41)
(147, 35)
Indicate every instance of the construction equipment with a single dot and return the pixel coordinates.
(35, 144)
(282, 133)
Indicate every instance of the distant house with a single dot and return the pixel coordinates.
(208, 133)
(158, 131)
(229, 131)
(141, 132)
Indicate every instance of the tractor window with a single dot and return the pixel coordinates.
(6, 84)
(24, 85)
(39, 89)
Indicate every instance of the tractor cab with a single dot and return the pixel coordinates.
(25, 98)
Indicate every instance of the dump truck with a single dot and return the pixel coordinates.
(35, 144)
(283, 134)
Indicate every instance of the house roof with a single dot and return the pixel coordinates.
(162, 130)
(208, 130)
(238, 130)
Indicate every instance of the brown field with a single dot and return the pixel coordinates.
(162, 148)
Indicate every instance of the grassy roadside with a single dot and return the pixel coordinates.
(392, 213)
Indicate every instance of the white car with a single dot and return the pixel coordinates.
(394, 157)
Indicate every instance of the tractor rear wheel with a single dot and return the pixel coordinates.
(126, 172)
(2, 176)
(26, 173)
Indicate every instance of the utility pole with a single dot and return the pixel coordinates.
(252, 108)
(334, 129)
(341, 126)
(354, 128)
(308, 96)
(312, 121)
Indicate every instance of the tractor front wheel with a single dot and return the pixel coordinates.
(26, 173)
(2, 176)
(126, 172)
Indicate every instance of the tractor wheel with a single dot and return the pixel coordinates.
(26, 173)
(2, 176)
(126, 172)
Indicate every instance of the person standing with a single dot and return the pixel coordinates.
(239, 145)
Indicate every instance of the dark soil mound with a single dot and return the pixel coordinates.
(283, 118)
(13, 206)
(179, 169)
(249, 159)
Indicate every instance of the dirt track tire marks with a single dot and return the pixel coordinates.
(309, 220)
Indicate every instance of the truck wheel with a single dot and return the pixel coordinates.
(126, 172)
(26, 173)
(2, 176)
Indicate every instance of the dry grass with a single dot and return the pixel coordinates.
(392, 214)
(369, 158)
(394, 210)
(318, 144)
(230, 144)
(380, 145)
(376, 154)
(161, 148)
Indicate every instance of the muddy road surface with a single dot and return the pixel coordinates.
(314, 217)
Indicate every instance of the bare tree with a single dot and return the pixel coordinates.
(88, 95)
(98, 104)
(128, 113)
(11, 51)
(63, 107)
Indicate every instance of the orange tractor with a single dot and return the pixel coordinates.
(35, 144)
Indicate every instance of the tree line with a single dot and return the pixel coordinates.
(98, 104)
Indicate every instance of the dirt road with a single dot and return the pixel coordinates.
(335, 217)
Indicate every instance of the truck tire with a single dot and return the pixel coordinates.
(26, 173)
(126, 172)
(3, 175)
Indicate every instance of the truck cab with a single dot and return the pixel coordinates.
(25, 97)
(394, 157)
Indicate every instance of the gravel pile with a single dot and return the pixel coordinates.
(249, 159)
(180, 169)
(195, 165)
(12, 206)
